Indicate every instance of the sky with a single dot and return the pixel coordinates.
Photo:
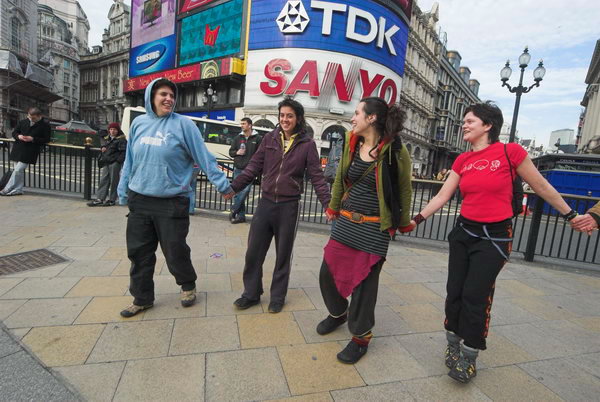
(487, 33)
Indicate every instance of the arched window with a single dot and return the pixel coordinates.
(333, 133)
(409, 147)
(264, 123)
(310, 131)
(417, 153)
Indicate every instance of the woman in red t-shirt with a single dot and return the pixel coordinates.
(481, 241)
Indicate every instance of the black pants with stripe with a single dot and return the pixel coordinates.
(473, 266)
(272, 219)
(152, 221)
(361, 309)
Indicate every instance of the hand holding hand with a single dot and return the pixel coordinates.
(229, 196)
(409, 228)
(330, 216)
(584, 223)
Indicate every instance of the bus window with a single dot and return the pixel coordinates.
(218, 133)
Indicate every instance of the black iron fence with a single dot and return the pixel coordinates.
(538, 231)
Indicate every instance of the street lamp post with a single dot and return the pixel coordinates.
(538, 75)
(209, 97)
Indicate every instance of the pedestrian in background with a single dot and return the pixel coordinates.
(481, 242)
(30, 136)
(285, 155)
(242, 149)
(113, 149)
(370, 200)
(155, 184)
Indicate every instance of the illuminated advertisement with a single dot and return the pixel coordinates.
(152, 57)
(361, 28)
(188, 5)
(151, 20)
(405, 5)
(318, 79)
(181, 74)
(212, 33)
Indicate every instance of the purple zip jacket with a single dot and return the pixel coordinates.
(283, 174)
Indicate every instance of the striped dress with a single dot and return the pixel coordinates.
(366, 236)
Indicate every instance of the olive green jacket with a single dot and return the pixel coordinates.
(595, 212)
(404, 164)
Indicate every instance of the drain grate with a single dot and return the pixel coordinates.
(11, 264)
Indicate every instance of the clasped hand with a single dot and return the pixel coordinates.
(584, 223)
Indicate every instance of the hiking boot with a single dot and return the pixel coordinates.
(134, 309)
(352, 353)
(330, 323)
(275, 307)
(109, 203)
(188, 297)
(243, 303)
(465, 368)
(452, 354)
(95, 203)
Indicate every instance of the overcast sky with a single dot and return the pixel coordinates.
(487, 33)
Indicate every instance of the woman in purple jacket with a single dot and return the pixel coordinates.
(283, 158)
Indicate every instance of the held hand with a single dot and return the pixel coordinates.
(330, 216)
(409, 228)
(241, 152)
(27, 138)
(584, 223)
(229, 196)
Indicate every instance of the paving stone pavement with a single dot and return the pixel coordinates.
(544, 341)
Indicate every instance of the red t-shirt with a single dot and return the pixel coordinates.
(486, 183)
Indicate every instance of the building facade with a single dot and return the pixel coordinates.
(71, 12)
(419, 87)
(105, 69)
(57, 50)
(561, 137)
(456, 91)
(24, 82)
(589, 136)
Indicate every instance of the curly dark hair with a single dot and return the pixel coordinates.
(390, 118)
(298, 110)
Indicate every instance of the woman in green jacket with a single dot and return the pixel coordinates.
(370, 199)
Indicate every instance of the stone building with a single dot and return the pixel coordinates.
(104, 70)
(58, 51)
(419, 86)
(71, 12)
(23, 82)
(588, 137)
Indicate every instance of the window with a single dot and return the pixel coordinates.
(16, 33)
(66, 63)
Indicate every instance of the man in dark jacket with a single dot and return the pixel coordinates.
(242, 149)
(30, 134)
(113, 155)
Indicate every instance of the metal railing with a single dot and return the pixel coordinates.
(538, 232)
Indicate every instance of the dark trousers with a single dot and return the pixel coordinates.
(152, 221)
(279, 220)
(473, 265)
(361, 313)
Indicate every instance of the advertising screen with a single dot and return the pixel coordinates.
(318, 79)
(181, 74)
(362, 28)
(188, 5)
(212, 33)
(151, 20)
(152, 57)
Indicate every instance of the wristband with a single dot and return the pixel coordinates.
(569, 215)
(418, 219)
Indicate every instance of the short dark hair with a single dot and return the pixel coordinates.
(34, 111)
(491, 114)
(298, 110)
(247, 120)
(163, 82)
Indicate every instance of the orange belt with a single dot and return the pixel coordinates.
(359, 218)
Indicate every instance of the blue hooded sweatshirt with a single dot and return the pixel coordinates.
(161, 152)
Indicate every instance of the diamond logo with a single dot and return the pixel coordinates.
(293, 17)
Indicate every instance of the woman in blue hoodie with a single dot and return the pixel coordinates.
(155, 183)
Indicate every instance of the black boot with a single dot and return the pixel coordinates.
(465, 368)
(355, 349)
(330, 323)
(453, 349)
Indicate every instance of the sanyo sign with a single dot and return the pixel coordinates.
(363, 28)
(294, 19)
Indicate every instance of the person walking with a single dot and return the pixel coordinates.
(113, 155)
(30, 135)
(155, 184)
(481, 241)
(285, 155)
(242, 149)
(370, 201)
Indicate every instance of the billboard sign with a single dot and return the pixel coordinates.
(211, 33)
(188, 5)
(181, 74)
(151, 20)
(152, 57)
(361, 28)
(318, 79)
(225, 114)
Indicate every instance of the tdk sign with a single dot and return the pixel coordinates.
(152, 57)
(362, 28)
